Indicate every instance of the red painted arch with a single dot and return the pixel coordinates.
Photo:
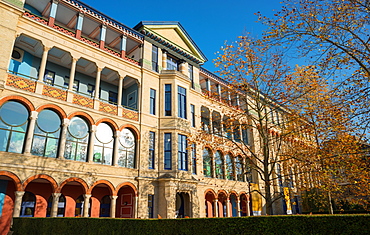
(53, 107)
(42, 176)
(15, 179)
(19, 99)
(74, 179)
(126, 184)
(110, 122)
(83, 115)
(132, 128)
(105, 182)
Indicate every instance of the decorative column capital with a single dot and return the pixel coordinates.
(19, 193)
(34, 115)
(87, 196)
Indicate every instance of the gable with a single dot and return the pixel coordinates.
(173, 36)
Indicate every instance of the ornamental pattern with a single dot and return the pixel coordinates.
(126, 113)
(54, 93)
(108, 108)
(21, 83)
(83, 101)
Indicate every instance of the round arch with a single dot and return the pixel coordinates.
(19, 99)
(74, 179)
(132, 128)
(123, 185)
(15, 179)
(53, 107)
(41, 176)
(83, 115)
(105, 182)
(110, 122)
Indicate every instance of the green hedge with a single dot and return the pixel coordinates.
(298, 224)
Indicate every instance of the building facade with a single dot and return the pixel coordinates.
(96, 119)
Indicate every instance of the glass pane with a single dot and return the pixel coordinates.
(48, 121)
(107, 158)
(104, 133)
(51, 148)
(81, 152)
(38, 145)
(122, 158)
(4, 137)
(13, 113)
(98, 153)
(127, 138)
(78, 128)
(16, 142)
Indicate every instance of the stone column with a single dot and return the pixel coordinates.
(113, 200)
(116, 147)
(237, 101)
(86, 205)
(79, 24)
(215, 205)
(103, 32)
(31, 129)
(123, 46)
(44, 59)
(97, 82)
(18, 203)
(71, 80)
(219, 91)
(72, 74)
(208, 86)
(54, 205)
(238, 208)
(63, 138)
(164, 60)
(120, 91)
(90, 152)
(53, 12)
(136, 211)
(228, 208)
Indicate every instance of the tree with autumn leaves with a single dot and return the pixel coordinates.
(311, 121)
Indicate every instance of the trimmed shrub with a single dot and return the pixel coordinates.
(297, 224)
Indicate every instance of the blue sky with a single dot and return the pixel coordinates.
(209, 22)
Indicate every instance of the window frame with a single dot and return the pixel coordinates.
(151, 150)
(152, 97)
(167, 159)
(155, 58)
(167, 99)
(181, 95)
(182, 152)
(192, 111)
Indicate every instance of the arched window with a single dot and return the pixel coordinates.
(46, 134)
(103, 147)
(77, 140)
(13, 126)
(230, 174)
(28, 205)
(126, 150)
(219, 165)
(105, 206)
(79, 206)
(207, 163)
(61, 206)
(239, 169)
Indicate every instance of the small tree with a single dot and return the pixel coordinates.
(255, 73)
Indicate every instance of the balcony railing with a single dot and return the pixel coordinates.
(72, 33)
(28, 83)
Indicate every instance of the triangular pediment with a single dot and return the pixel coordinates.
(176, 34)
